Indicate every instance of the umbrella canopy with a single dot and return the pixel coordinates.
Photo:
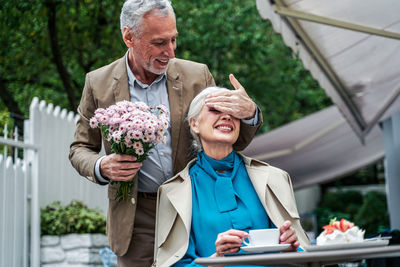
(352, 48)
(317, 148)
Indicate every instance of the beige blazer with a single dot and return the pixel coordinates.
(108, 85)
(174, 208)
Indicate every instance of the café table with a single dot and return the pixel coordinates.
(305, 258)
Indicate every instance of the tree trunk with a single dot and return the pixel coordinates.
(57, 57)
(12, 106)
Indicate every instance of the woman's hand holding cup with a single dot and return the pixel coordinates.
(269, 237)
(229, 242)
(288, 236)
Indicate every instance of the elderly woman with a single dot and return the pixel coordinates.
(208, 208)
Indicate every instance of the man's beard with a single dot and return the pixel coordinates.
(152, 69)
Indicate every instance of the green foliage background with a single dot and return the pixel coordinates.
(47, 46)
(368, 211)
(76, 217)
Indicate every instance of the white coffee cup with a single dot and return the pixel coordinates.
(263, 237)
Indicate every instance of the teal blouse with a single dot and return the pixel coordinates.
(221, 201)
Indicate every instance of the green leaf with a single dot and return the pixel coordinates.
(73, 218)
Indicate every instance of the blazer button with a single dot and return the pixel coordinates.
(133, 200)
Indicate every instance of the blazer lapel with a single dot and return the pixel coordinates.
(120, 84)
(175, 97)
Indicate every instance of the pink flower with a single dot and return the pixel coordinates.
(161, 138)
(161, 131)
(139, 127)
(130, 134)
(115, 120)
(93, 122)
(149, 128)
(100, 110)
(163, 109)
(103, 120)
(137, 145)
(165, 123)
(139, 151)
(142, 106)
(116, 136)
(123, 127)
(125, 116)
(137, 135)
(150, 136)
(129, 125)
(110, 112)
(128, 141)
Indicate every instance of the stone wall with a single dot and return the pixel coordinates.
(72, 250)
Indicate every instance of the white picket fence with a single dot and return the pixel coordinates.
(13, 212)
(43, 175)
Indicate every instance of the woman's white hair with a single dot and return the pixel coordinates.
(195, 109)
(133, 11)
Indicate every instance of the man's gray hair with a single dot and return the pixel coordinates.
(195, 109)
(133, 11)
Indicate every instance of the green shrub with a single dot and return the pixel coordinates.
(369, 212)
(373, 215)
(339, 204)
(345, 201)
(76, 217)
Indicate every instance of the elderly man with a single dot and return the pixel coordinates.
(148, 72)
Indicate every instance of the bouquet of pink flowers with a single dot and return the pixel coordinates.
(133, 129)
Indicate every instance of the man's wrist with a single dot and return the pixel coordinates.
(255, 120)
(97, 172)
(254, 113)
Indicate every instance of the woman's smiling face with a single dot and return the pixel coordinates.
(215, 128)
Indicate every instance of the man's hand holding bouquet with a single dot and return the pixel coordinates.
(132, 129)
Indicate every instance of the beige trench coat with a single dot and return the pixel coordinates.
(174, 208)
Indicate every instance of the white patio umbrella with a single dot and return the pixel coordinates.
(318, 148)
(352, 48)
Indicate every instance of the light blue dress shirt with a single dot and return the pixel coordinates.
(157, 168)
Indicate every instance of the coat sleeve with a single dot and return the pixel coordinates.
(84, 150)
(246, 135)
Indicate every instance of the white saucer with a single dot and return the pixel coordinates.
(265, 248)
(363, 244)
